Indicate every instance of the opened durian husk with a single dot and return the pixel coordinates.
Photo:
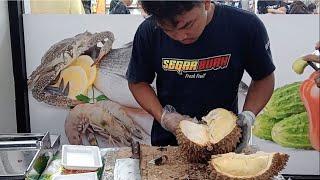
(219, 134)
(257, 166)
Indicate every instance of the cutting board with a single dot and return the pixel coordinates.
(175, 167)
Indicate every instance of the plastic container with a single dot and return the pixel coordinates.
(82, 176)
(77, 157)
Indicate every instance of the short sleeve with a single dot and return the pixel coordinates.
(259, 62)
(141, 68)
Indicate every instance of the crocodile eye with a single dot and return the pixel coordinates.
(106, 39)
(100, 44)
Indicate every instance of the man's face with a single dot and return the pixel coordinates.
(190, 24)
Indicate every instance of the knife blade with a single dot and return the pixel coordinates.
(129, 168)
(250, 148)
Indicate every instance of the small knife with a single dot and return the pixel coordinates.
(129, 168)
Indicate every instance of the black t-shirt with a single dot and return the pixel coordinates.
(199, 77)
(264, 5)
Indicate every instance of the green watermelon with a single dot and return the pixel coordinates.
(285, 101)
(263, 126)
(292, 132)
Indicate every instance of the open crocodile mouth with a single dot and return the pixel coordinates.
(94, 51)
(76, 78)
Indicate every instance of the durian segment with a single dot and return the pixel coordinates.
(196, 133)
(85, 62)
(260, 165)
(250, 165)
(78, 81)
(221, 122)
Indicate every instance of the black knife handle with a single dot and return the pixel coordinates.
(313, 66)
(135, 147)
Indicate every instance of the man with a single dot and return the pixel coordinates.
(272, 7)
(298, 7)
(87, 6)
(120, 6)
(233, 3)
(198, 51)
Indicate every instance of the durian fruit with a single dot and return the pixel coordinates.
(217, 135)
(257, 166)
(85, 62)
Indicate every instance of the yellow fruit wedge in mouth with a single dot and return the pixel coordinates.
(77, 78)
(85, 62)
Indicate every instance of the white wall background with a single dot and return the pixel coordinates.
(291, 36)
(7, 95)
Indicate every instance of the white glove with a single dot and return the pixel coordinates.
(170, 119)
(245, 122)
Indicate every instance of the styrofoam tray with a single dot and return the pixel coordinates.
(81, 176)
(77, 157)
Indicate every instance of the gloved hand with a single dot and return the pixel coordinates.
(245, 122)
(170, 119)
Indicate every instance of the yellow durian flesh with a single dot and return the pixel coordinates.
(260, 165)
(196, 133)
(220, 123)
(219, 134)
(251, 165)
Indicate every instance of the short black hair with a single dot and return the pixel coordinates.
(312, 7)
(298, 7)
(167, 10)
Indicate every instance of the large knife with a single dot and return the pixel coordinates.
(129, 168)
(250, 148)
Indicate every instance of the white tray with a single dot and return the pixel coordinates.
(82, 176)
(76, 157)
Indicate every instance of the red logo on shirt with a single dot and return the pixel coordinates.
(196, 65)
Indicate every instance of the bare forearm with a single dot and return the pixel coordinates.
(275, 11)
(259, 94)
(147, 98)
(272, 11)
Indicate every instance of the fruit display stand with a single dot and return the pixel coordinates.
(173, 166)
(301, 162)
(170, 164)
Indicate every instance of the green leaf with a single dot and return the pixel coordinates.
(83, 98)
(101, 98)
